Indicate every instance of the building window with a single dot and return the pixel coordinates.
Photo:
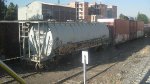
(77, 5)
(81, 5)
(80, 9)
(80, 17)
(93, 18)
(77, 9)
(80, 13)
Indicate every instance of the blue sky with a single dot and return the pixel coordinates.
(126, 7)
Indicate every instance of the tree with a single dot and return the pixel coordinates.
(11, 13)
(123, 17)
(142, 17)
(35, 17)
(3, 9)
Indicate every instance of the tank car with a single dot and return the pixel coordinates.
(47, 40)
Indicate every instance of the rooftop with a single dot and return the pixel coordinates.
(40, 2)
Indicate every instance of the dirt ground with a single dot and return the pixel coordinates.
(129, 63)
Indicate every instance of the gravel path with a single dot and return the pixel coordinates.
(127, 64)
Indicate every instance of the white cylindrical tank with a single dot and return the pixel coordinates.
(53, 35)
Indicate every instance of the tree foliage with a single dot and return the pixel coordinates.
(123, 17)
(35, 17)
(11, 13)
(8, 13)
(142, 17)
(3, 9)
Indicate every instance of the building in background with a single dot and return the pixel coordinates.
(92, 12)
(98, 9)
(76, 6)
(74, 11)
(112, 11)
(46, 11)
(81, 10)
(103, 10)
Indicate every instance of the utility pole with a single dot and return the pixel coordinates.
(59, 11)
(58, 1)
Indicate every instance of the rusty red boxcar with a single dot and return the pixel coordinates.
(133, 29)
(119, 29)
(140, 29)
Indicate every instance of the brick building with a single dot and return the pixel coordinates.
(46, 11)
(81, 10)
(98, 9)
(112, 11)
(92, 12)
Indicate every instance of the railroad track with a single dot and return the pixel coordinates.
(92, 72)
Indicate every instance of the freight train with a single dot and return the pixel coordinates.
(9, 40)
(40, 41)
(147, 30)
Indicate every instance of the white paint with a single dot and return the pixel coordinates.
(140, 34)
(22, 13)
(33, 9)
(85, 57)
(109, 6)
(84, 61)
(121, 38)
(106, 20)
(59, 34)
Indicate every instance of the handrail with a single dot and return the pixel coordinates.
(11, 73)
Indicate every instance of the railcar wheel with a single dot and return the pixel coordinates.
(24, 64)
(39, 66)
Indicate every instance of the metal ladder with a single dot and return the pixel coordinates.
(23, 40)
(25, 51)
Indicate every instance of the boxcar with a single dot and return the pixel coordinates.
(9, 43)
(140, 29)
(119, 29)
(133, 29)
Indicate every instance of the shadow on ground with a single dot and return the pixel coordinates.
(104, 56)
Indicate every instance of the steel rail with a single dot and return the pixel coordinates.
(12, 58)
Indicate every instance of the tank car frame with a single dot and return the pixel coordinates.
(25, 45)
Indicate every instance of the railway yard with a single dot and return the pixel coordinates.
(74, 42)
(128, 63)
